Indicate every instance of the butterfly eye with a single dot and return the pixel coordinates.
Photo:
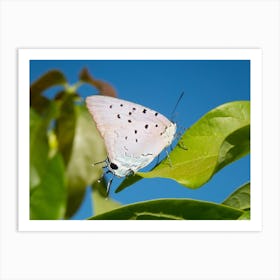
(113, 166)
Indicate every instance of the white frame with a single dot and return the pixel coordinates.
(138, 255)
(255, 57)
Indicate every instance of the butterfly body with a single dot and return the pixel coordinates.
(133, 134)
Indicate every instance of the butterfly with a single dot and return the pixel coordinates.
(133, 134)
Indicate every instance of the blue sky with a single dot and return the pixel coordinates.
(157, 85)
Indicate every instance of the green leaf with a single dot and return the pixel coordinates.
(51, 78)
(38, 148)
(217, 139)
(245, 216)
(48, 199)
(65, 126)
(102, 203)
(240, 198)
(235, 146)
(88, 148)
(172, 209)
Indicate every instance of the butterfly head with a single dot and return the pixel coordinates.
(118, 169)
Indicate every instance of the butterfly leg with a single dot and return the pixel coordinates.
(182, 145)
(130, 172)
(104, 167)
(169, 160)
(109, 186)
(107, 171)
(157, 160)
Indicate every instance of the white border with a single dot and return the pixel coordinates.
(254, 55)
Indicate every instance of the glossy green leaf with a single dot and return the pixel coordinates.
(102, 203)
(38, 148)
(246, 215)
(240, 198)
(217, 139)
(88, 148)
(48, 199)
(65, 126)
(235, 146)
(51, 78)
(172, 209)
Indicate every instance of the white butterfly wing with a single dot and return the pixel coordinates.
(134, 135)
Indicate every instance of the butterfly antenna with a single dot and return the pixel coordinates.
(99, 162)
(175, 107)
(168, 157)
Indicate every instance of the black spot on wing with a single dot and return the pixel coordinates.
(146, 126)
